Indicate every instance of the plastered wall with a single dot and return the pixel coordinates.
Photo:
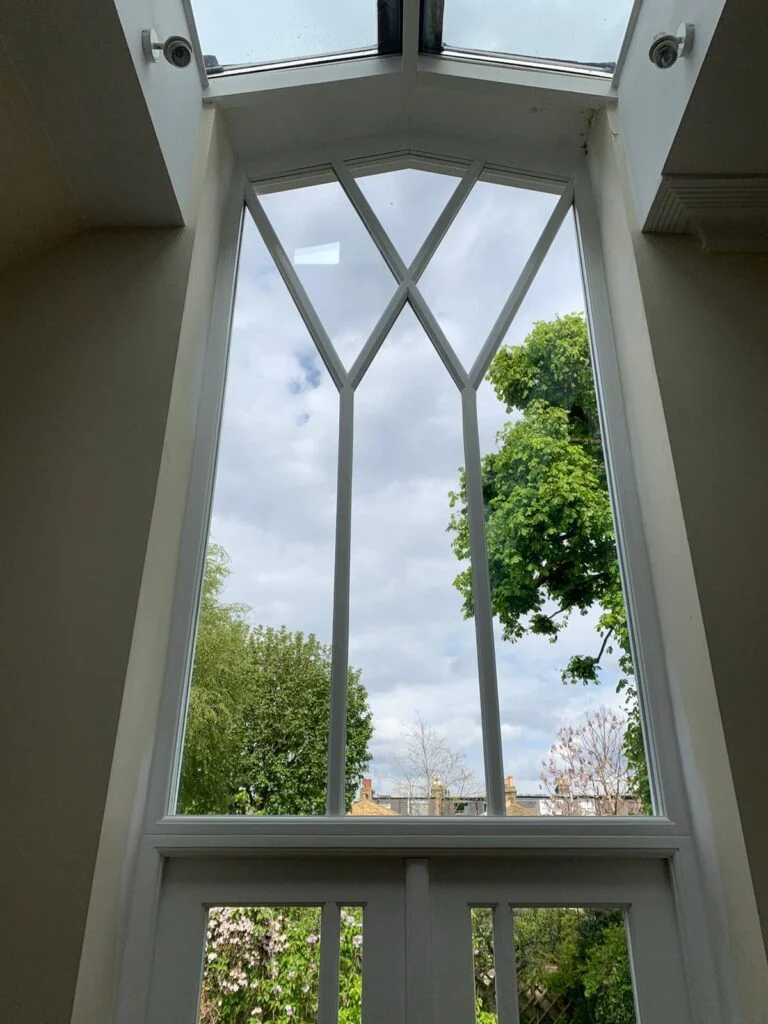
(89, 343)
(693, 359)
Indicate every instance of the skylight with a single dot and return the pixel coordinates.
(247, 33)
(587, 32)
(567, 35)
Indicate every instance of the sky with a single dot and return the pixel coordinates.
(257, 31)
(275, 493)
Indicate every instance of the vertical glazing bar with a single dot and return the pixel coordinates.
(519, 292)
(444, 221)
(337, 739)
(481, 598)
(505, 963)
(418, 954)
(330, 939)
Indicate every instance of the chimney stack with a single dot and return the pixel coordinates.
(510, 793)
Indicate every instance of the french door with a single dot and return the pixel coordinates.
(416, 924)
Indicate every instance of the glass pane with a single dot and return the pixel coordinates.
(345, 277)
(556, 589)
(407, 202)
(261, 964)
(577, 31)
(573, 965)
(479, 260)
(351, 966)
(262, 31)
(484, 965)
(257, 728)
(408, 637)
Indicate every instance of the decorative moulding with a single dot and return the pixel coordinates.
(727, 213)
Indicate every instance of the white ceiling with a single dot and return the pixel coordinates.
(285, 119)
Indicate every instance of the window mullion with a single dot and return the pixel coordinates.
(437, 336)
(364, 211)
(505, 961)
(481, 599)
(418, 945)
(444, 221)
(330, 940)
(296, 289)
(337, 740)
(518, 293)
(379, 333)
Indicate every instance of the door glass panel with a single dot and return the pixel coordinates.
(257, 727)
(351, 966)
(573, 965)
(484, 965)
(340, 267)
(407, 202)
(478, 262)
(576, 31)
(261, 964)
(408, 637)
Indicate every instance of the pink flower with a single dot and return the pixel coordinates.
(358, 940)
(289, 1011)
(311, 940)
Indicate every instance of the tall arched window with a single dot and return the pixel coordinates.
(415, 759)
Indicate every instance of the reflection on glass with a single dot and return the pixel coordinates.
(478, 262)
(345, 277)
(407, 202)
(262, 31)
(576, 31)
(484, 965)
(556, 588)
(407, 633)
(261, 964)
(257, 727)
(572, 965)
(351, 966)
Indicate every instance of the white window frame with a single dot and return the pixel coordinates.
(166, 837)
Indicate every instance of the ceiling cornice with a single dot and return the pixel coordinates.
(728, 213)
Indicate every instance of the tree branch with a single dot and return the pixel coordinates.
(606, 638)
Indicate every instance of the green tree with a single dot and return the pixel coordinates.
(570, 959)
(551, 545)
(257, 725)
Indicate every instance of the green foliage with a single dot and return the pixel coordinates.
(257, 726)
(607, 978)
(574, 960)
(548, 517)
(263, 963)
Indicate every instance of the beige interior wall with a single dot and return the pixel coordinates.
(708, 321)
(90, 332)
(88, 344)
(102, 948)
(693, 360)
(43, 210)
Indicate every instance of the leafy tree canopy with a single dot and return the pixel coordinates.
(549, 528)
(257, 726)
